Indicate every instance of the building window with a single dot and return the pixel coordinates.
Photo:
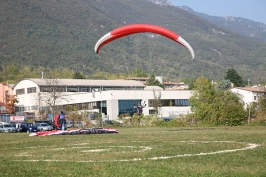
(176, 102)
(34, 107)
(255, 98)
(20, 109)
(84, 106)
(46, 89)
(84, 89)
(127, 106)
(79, 106)
(72, 89)
(20, 91)
(31, 90)
(151, 111)
(60, 89)
(181, 102)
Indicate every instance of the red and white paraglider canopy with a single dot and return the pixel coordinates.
(140, 28)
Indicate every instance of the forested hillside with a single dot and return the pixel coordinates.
(62, 34)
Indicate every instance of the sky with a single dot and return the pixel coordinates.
(251, 9)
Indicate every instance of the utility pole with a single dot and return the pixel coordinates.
(101, 106)
(248, 113)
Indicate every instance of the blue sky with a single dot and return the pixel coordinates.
(251, 9)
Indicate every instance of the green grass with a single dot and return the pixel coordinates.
(137, 152)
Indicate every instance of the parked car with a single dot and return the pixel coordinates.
(43, 127)
(7, 128)
(17, 124)
(28, 127)
(108, 122)
(23, 127)
(32, 127)
(44, 121)
(112, 122)
(78, 125)
(69, 124)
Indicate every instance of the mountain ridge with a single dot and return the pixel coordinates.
(243, 26)
(240, 25)
(37, 33)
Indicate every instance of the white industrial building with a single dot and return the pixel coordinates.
(111, 97)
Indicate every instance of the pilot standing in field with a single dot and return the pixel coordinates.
(62, 120)
(18, 127)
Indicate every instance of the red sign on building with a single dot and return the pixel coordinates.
(17, 118)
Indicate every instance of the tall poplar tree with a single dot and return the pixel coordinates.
(154, 82)
(234, 77)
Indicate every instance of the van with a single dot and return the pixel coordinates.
(7, 128)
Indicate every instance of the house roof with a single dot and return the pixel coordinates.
(253, 89)
(86, 82)
(7, 84)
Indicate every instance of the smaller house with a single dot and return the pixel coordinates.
(168, 85)
(250, 94)
(5, 91)
(175, 86)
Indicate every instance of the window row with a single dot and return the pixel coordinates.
(169, 102)
(29, 90)
(73, 89)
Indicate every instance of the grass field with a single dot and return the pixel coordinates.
(189, 151)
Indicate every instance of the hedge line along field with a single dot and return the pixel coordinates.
(176, 151)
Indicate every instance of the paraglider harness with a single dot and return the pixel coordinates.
(58, 122)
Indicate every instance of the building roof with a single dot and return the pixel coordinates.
(86, 82)
(155, 88)
(138, 78)
(7, 84)
(253, 89)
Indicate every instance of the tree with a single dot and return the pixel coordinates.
(190, 82)
(52, 94)
(11, 103)
(216, 107)
(154, 82)
(11, 73)
(231, 107)
(1, 75)
(138, 73)
(261, 110)
(40, 105)
(202, 99)
(234, 77)
(78, 75)
(72, 114)
(225, 84)
(156, 103)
